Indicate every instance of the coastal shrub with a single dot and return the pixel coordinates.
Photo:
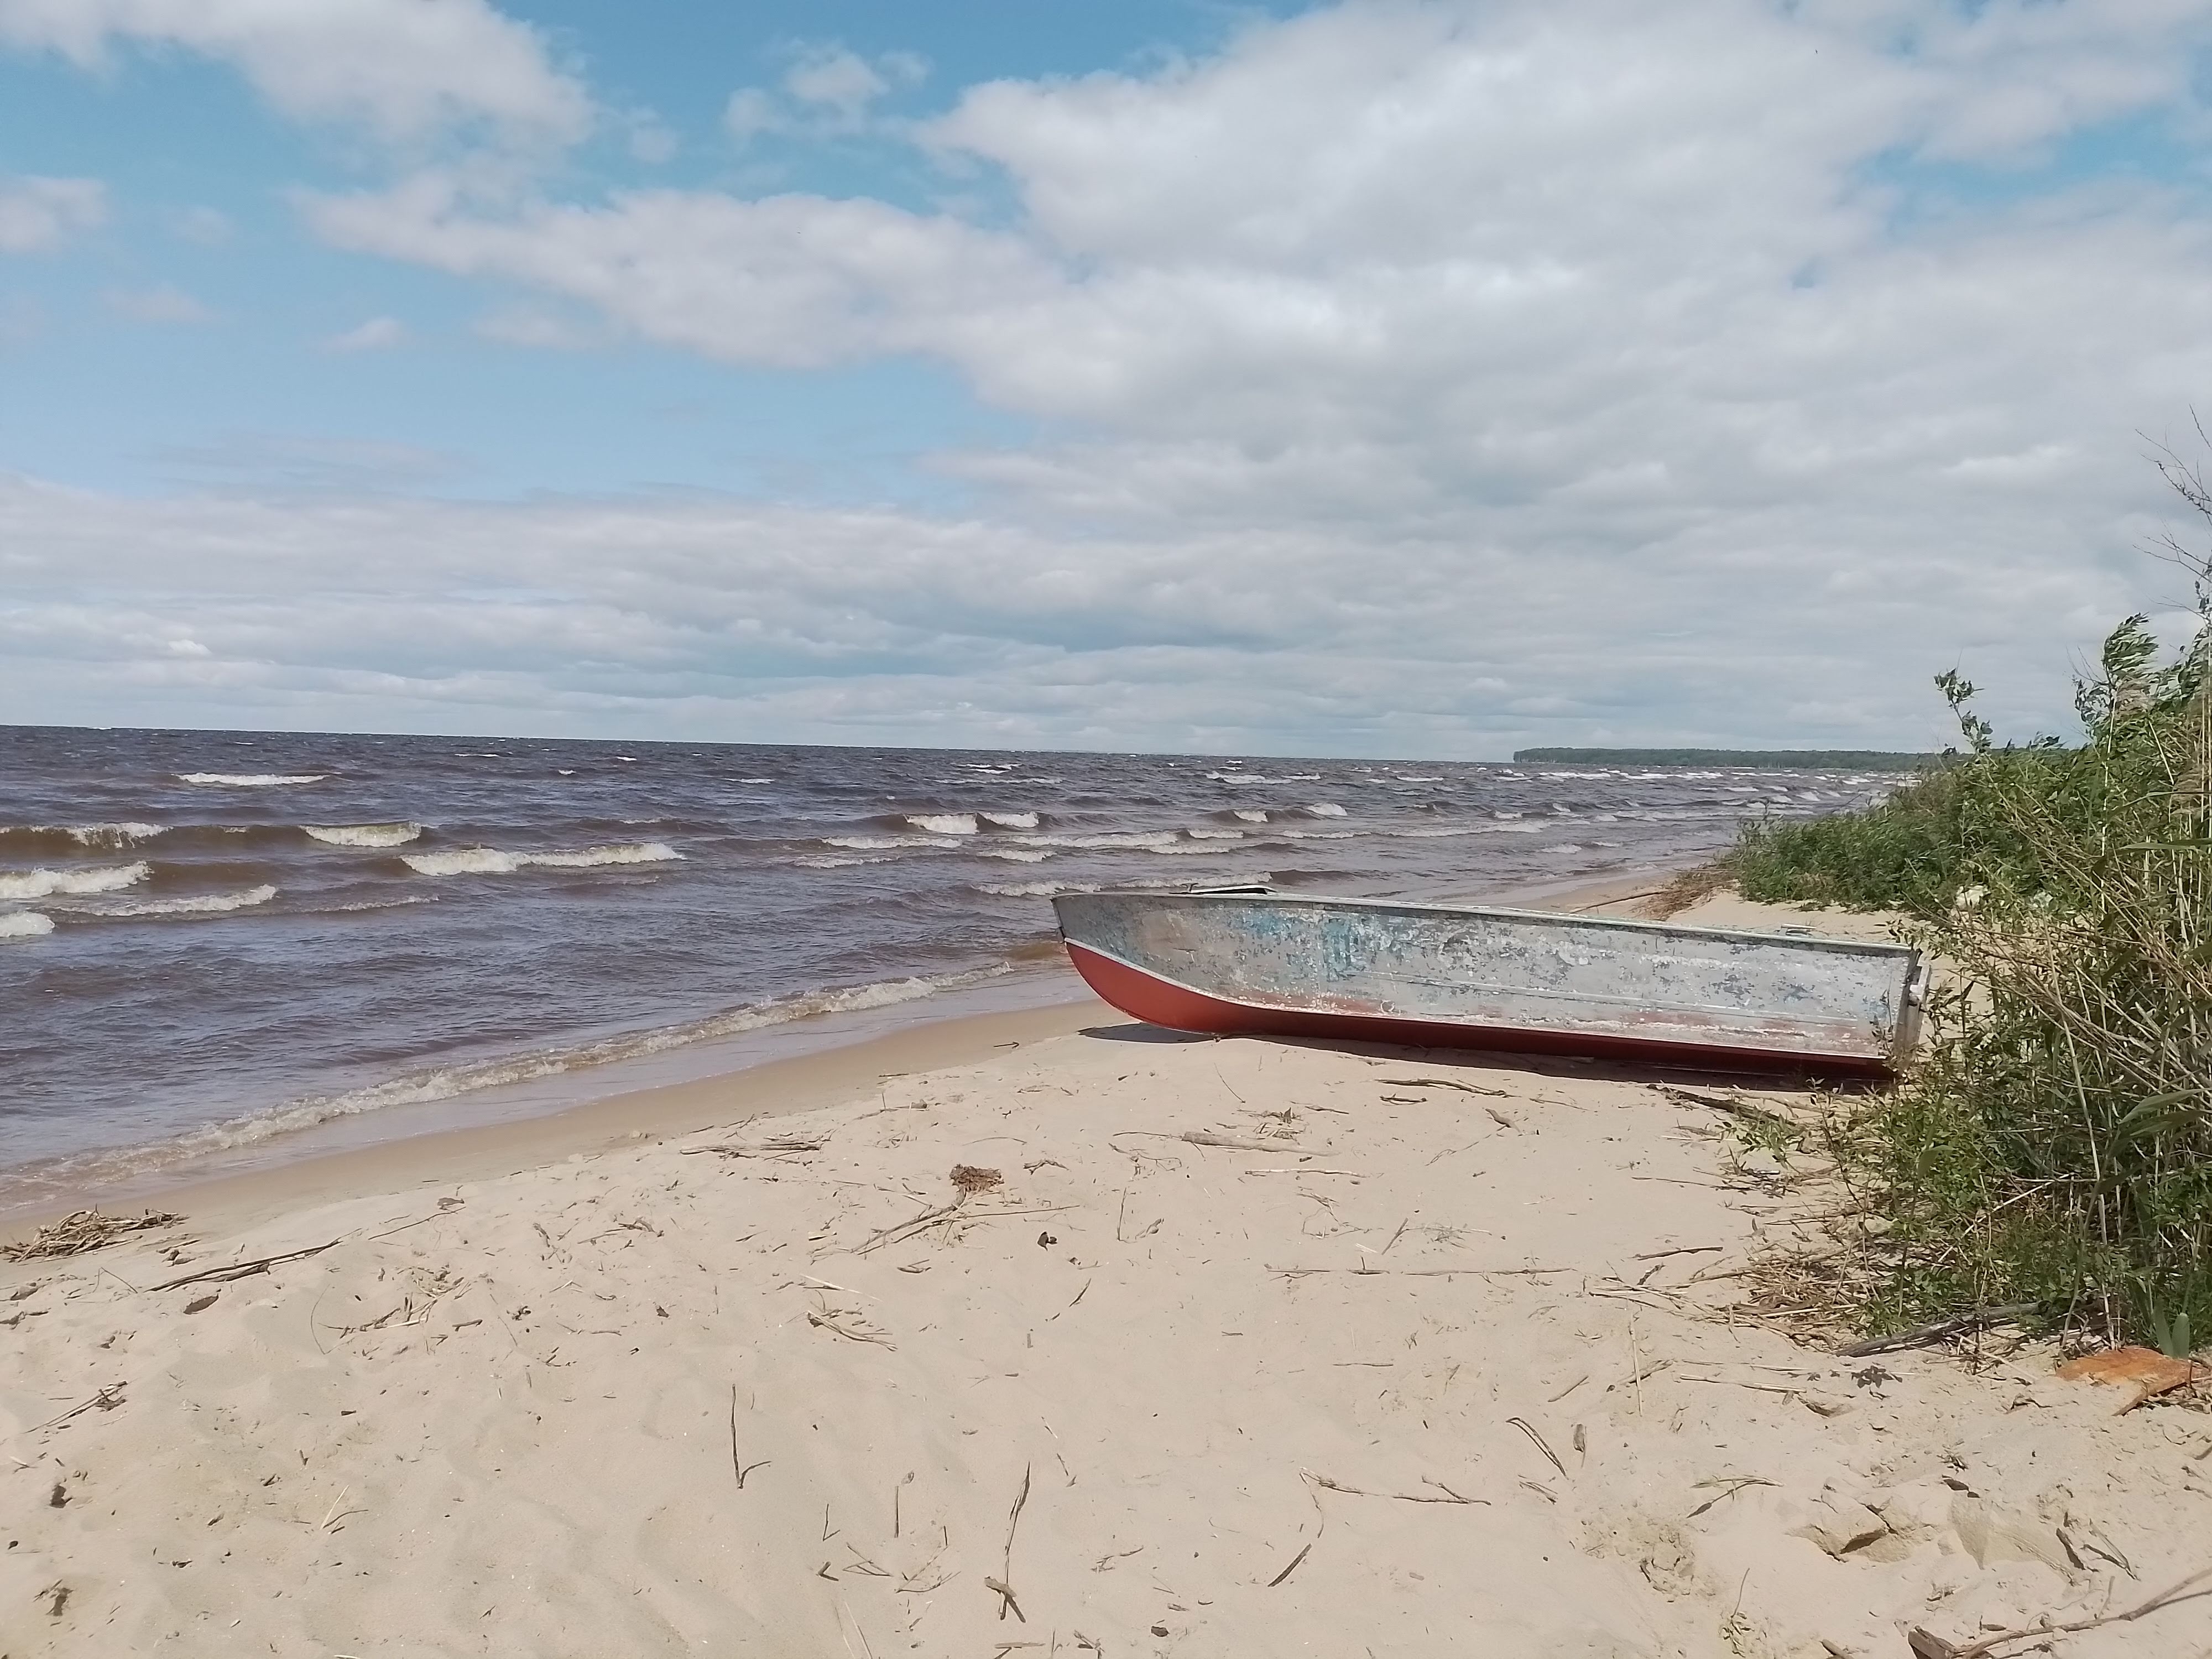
(2055, 1146)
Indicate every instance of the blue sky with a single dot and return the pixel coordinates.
(1386, 377)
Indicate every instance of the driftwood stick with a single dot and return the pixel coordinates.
(244, 1269)
(1921, 1336)
(1935, 1647)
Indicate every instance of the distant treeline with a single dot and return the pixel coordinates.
(1870, 760)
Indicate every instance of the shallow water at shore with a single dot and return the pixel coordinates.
(210, 941)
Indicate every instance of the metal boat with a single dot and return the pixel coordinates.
(1250, 961)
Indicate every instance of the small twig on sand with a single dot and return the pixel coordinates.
(1443, 1083)
(783, 1148)
(1921, 1336)
(1528, 1428)
(245, 1269)
(738, 1467)
(1680, 1249)
(1004, 1584)
(1293, 1567)
(1207, 1138)
(1732, 1487)
(106, 1400)
(1928, 1646)
(1449, 1496)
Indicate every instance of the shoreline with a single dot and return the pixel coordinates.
(545, 1120)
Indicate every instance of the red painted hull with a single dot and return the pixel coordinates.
(1159, 1001)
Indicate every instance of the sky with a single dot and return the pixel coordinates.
(1382, 377)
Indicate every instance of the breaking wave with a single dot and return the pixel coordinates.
(363, 835)
(944, 824)
(498, 861)
(204, 904)
(25, 924)
(46, 883)
(249, 779)
(1011, 820)
(1325, 809)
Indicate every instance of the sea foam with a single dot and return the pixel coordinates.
(498, 861)
(363, 835)
(44, 884)
(20, 924)
(204, 904)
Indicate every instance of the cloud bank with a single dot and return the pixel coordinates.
(1409, 378)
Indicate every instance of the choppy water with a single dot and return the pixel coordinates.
(213, 939)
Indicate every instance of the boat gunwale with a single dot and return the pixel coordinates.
(1553, 918)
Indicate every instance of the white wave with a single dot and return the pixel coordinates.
(1325, 809)
(250, 780)
(1055, 889)
(1013, 854)
(363, 835)
(1011, 820)
(1417, 778)
(1255, 777)
(498, 861)
(112, 834)
(25, 924)
(202, 905)
(834, 861)
(1145, 840)
(42, 884)
(1249, 815)
(944, 824)
(884, 843)
(755, 780)
(565, 771)
(1215, 835)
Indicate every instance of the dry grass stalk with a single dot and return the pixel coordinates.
(87, 1229)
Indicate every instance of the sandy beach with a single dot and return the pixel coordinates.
(1049, 1332)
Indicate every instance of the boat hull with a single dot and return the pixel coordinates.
(1479, 977)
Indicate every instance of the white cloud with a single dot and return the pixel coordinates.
(407, 69)
(1412, 378)
(162, 303)
(828, 90)
(377, 334)
(37, 215)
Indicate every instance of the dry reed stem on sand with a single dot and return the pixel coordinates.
(1925, 1645)
(1004, 1583)
(259, 1264)
(1449, 1496)
(87, 1229)
(1207, 1138)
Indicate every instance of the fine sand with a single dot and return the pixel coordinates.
(1229, 1347)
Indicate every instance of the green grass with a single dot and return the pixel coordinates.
(2055, 1145)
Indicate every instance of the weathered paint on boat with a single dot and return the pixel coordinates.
(1257, 963)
